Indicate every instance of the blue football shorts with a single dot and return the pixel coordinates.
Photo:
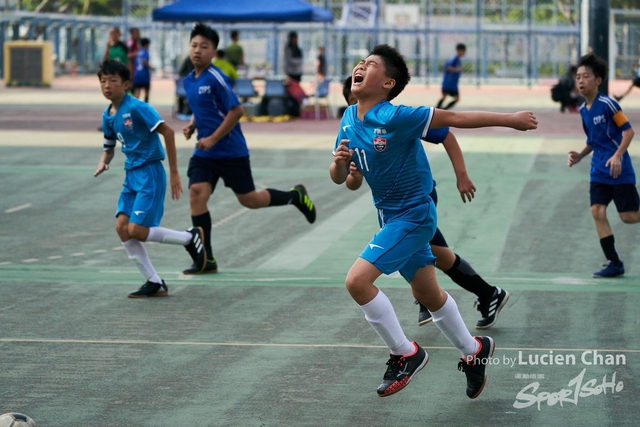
(142, 196)
(402, 244)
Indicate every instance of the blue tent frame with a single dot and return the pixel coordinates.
(242, 11)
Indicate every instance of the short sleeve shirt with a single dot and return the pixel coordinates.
(211, 97)
(387, 149)
(134, 124)
(142, 74)
(604, 123)
(449, 78)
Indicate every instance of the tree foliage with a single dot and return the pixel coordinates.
(79, 7)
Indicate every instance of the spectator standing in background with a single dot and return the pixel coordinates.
(321, 65)
(235, 53)
(115, 49)
(225, 66)
(133, 44)
(293, 58)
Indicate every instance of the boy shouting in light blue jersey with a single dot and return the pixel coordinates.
(384, 142)
(141, 205)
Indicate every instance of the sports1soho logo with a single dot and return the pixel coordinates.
(579, 387)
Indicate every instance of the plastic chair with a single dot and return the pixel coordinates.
(275, 89)
(322, 94)
(245, 90)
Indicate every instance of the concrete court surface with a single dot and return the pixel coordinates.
(274, 339)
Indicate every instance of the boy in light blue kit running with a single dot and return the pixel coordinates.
(384, 142)
(141, 205)
(609, 134)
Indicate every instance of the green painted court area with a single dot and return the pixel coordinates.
(274, 339)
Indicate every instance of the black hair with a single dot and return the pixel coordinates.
(144, 42)
(461, 46)
(395, 67)
(573, 69)
(220, 53)
(346, 88)
(112, 67)
(234, 34)
(206, 32)
(292, 34)
(597, 65)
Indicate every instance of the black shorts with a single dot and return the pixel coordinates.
(451, 92)
(437, 239)
(625, 196)
(636, 81)
(144, 86)
(236, 173)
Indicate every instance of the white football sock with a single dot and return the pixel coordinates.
(382, 318)
(138, 255)
(449, 321)
(166, 235)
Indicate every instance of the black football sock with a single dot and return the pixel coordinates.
(609, 248)
(440, 103)
(279, 197)
(204, 221)
(450, 105)
(466, 277)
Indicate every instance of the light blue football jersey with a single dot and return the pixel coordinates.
(388, 150)
(134, 124)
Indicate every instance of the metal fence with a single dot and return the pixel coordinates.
(522, 40)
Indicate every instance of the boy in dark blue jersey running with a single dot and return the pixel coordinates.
(491, 299)
(384, 142)
(141, 205)
(609, 134)
(221, 150)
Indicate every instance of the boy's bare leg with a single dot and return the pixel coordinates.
(630, 217)
(599, 214)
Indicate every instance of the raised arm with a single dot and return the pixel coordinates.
(339, 169)
(523, 120)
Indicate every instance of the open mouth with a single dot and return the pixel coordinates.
(358, 78)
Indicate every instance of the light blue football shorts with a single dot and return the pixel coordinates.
(402, 244)
(142, 196)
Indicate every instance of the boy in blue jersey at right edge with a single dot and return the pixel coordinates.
(221, 150)
(384, 141)
(491, 299)
(141, 205)
(609, 134)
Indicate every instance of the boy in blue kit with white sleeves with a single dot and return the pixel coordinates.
(221, 150)
(384, 142)
(609, 134)
(491, 299)
(141, 205)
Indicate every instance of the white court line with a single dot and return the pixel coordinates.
(54, 257)
(30, 260)
(78, 254)
(118, 248)
(18, 208)
(304, 345)
(230, 217)
(5, 263)
(99, 251)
